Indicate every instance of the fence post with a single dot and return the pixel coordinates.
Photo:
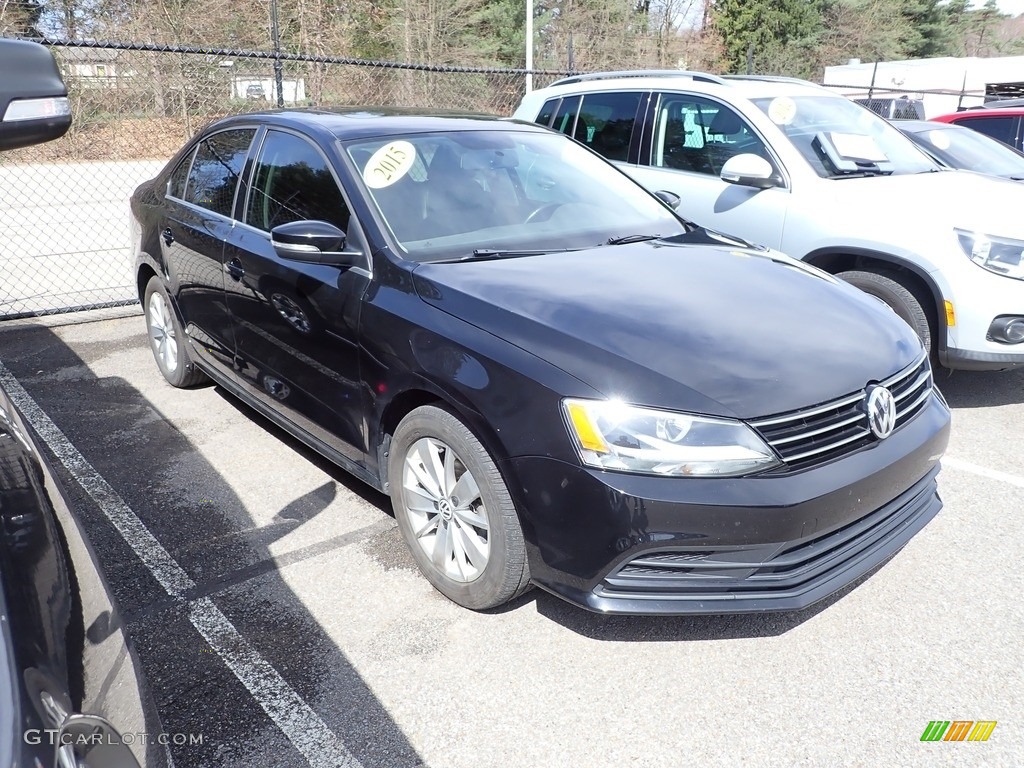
(278, 67)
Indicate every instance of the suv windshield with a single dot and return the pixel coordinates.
(450, 195)
(841, 139)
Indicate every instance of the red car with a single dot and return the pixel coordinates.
(1001, 123)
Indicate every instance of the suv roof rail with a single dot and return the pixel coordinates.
(702, 77)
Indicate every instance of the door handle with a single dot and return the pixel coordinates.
(168, 236)
(234, 268)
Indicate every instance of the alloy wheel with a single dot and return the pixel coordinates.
(443, 503)
(161, 332)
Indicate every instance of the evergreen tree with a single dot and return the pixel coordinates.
(778, 35)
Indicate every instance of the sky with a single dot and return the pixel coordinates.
(1012, 7)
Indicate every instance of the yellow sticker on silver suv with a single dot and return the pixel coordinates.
(389, 164)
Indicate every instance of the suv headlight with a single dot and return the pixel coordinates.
(613, 435)
(996, 254)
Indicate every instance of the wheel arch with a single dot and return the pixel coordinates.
(143, 274)
(838, 259)
(420, 394)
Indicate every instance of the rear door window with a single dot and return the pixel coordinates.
(216, 170)
(605, 122)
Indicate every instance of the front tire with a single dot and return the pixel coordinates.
(904, 301)
(455, 511)
(167, 340)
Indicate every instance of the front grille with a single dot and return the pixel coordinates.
(815, 435)
(774, 570)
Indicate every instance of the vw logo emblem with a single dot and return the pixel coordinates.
(444, 508)
(881, 410)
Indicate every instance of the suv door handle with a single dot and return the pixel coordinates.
(167, 235)
(234, 268)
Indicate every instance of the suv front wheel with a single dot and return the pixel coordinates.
(904, 301)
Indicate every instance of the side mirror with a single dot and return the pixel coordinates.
(671, 199)
(33, 99)
(749, 170)
(313, 242)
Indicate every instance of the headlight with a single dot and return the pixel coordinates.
(996, 254)
(613, 435)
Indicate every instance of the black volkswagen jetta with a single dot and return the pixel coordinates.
(557, 380)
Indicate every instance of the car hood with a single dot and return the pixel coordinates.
(947, 198)
(718, 330)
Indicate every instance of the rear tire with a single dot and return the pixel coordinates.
(905, 301)
(167, 340)
(455, 512)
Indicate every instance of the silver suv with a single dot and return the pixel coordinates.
(792, 166)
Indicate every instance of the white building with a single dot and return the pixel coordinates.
(943, 84)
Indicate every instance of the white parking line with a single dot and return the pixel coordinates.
(994, 474)
(303, 727)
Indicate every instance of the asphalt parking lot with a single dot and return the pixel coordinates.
(278, 615)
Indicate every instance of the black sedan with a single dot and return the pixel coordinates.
(958, 147)
(557, 380)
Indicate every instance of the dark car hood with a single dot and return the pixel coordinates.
(719, 330)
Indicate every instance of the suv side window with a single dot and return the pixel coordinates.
(604, 122)
(293, 182)
(547, 112)
(1002, 128)
(608, 120)
(565, 117)
(698, 135)
(216, 169)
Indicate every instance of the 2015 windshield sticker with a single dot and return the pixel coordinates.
(782, 110)
(389, 164)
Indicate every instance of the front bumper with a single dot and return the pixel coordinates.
(979, 297)
(619, 543)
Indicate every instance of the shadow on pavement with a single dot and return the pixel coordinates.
(129, 442)
(981, 389)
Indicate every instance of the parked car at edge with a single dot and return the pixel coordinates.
(557, 380)
(793, 166)
(1001, 123)
(71, 692)
(957, 147)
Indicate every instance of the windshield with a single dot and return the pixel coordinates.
(840, 138)
(964, 148)
(450, 195)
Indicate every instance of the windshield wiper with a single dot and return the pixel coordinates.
(630, 239)
(861, 173)
(485, 254)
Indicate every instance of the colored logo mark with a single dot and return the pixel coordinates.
(958, 730)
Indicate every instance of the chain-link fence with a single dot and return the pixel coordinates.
(64, 216)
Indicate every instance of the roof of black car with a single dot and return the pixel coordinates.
(365, 122)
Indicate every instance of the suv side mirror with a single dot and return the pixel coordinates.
(314, 242)
(33, 98)
(749, 170)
